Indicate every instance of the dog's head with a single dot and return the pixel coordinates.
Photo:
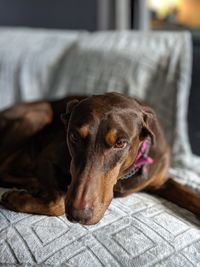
(103, 136)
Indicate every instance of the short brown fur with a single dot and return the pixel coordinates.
(81, 178)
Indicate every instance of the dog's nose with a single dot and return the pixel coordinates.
(79, 215)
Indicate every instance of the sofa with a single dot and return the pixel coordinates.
(137, 230)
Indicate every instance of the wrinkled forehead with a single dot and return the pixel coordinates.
(92, 115)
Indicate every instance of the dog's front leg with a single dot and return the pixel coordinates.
(23, 201)
(180, 195)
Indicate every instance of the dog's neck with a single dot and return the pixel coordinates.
(141, 162)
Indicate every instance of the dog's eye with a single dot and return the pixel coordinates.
(74, 137)
(120, 143)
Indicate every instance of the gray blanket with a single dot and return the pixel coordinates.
(138, 230)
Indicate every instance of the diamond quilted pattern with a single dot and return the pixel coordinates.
(47, 231)
(139, 230)
(139, 244)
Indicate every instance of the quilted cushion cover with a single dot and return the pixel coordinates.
(139, 230)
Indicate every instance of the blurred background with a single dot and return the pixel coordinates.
(100, 15)
(95, 15)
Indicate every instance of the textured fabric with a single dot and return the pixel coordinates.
(139, 230)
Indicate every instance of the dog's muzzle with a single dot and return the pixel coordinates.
(78, 215)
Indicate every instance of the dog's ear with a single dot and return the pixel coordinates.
(148, 123)
(70, 106)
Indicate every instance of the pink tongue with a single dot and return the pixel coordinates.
(143, 161)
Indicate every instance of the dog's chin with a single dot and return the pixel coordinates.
(84, 222)
(91, 221)
(87, 216)
(94, 219)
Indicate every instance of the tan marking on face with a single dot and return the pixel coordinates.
(130, 158)
(111, 137)
(109, 181)
(84, 131)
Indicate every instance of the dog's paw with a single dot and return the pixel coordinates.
(3, 191)
(14, 199)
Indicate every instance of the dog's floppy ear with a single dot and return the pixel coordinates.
(70, 106)
(148, 123)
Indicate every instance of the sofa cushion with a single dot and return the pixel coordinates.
(138, 230)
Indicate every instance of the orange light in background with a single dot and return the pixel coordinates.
(189, 13)
(163, 8)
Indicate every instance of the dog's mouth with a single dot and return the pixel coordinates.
(83, 216)
(86, 216)
(85, 220)
(80, 220)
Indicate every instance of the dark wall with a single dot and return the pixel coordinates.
(194, 100)
(60, 14)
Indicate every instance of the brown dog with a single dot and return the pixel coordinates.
(115, 146)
